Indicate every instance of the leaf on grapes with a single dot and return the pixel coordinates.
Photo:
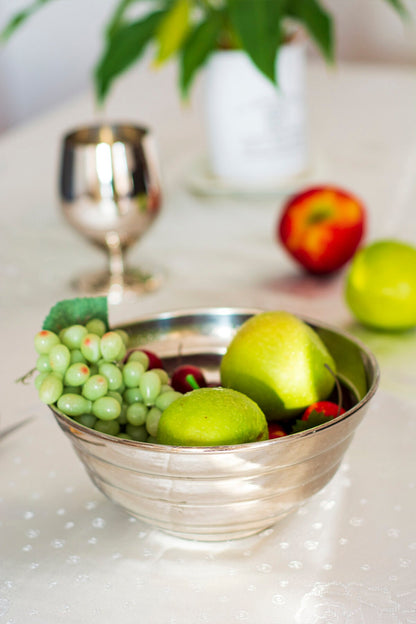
(314, 420)
(76, 311)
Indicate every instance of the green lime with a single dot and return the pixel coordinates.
(381, 285)
(212, 417)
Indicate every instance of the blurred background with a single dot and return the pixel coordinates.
(52, 56)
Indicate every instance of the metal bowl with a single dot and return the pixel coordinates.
(214, 493)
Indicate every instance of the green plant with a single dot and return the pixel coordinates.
(192, 30)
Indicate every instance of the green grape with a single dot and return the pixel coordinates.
(132, 395)
(106, 408)
(110, 427)
(77, 374)
(139, 356)
(122, 419)
(165, 388)
(149, 385)
(152, 421)
(110, 346)
(96, 326)
(45, 340)
(112, 373)
(74, 404)
(59, 358)
(90, 347)
(42, 363)
(116, 395)
(95, 387)
(139, 434)
(164, 400)
(123, 335)
(88, 420)
(132, 373)
(50, 389)
(136, 414)
(72, 336)
(124, 436)
(164, 377)
(76, 356)
(151, 440)
(122, 353)
(39, 378)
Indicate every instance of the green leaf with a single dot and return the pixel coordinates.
(258, 24)
(19, 18)
(317, 22)
(398, 6)
(315, 419)
(123, 48)
(349, 363)
(197, 48)
(172, 30)
(73, 311)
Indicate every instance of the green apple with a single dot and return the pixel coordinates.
(212, 417)
(280, 362)
(381, 285)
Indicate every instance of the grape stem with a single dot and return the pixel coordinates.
(192, 382)
(26, 377)
(338, 386)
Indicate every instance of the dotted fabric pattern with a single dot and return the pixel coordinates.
(70, 555)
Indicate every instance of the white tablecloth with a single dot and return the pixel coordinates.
(69, 555)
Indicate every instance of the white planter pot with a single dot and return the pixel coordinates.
(256, 132)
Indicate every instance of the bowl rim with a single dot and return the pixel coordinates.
(229, 448)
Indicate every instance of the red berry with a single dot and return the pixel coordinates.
(180, 381)
(276, 431)
(326, 408)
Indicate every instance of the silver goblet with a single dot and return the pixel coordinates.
(110, 193)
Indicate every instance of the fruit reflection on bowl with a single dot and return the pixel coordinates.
(224, 492)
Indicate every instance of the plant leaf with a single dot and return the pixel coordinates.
(73, 311)
(399, 6)
(19, 18)
(123, 48)
(197, 48)
(318, 23)
(259, 26)
(172, 30)
(315, 419)
(348, 361)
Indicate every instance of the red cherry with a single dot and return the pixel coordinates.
(180, 375)
(326, 408)
(276, 431)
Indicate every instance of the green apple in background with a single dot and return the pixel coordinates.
(212, 417)
(278, 361)
(381, 285)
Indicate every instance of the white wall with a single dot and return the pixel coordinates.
(52, 56)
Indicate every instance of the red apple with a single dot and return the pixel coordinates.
(321, 228)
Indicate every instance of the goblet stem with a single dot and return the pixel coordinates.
(116, 266)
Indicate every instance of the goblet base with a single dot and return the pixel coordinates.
(131, 283)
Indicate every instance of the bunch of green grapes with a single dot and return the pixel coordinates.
(83, 372)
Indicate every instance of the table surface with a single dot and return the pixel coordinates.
(67, 554)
